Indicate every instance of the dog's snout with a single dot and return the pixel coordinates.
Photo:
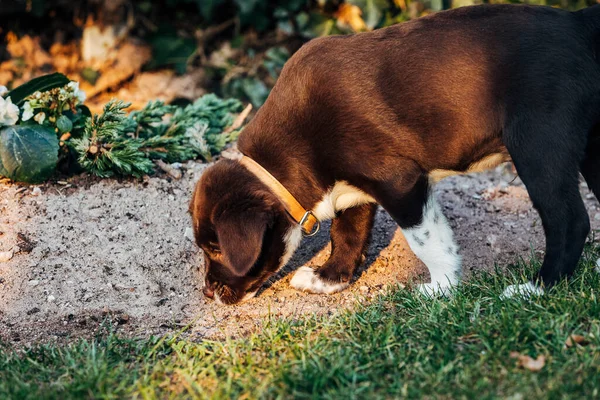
(208, 292)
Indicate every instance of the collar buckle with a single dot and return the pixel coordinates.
(315, 227)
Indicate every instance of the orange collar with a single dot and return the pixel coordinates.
(306, 219)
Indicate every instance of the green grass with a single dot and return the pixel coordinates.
(400, 345)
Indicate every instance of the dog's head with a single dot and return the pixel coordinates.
(243, 230)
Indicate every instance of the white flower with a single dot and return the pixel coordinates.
(27, 111)
(9, 113)
(40, 117)
(78, 93)
(3, 90)
(81, 96)
(64, 94)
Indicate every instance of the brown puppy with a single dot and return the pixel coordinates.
(375, 118)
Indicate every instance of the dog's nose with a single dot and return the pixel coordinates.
(208, 292)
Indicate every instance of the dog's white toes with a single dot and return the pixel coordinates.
(433, 290)
(524, 290)
(598, 265)
(306, 280)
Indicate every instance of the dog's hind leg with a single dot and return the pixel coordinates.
(350, 233)
(590, 167)
(549, 166)
(433, 242)
(411, 203)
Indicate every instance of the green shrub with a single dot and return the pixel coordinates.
(48, 124)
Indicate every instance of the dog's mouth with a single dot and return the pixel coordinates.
(229, 301)
(225, 295)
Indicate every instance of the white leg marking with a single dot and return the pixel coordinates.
(598, 265)
(340, 197)
(433, 242)
(525, 290)
(306, 280)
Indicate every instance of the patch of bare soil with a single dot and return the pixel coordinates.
(90, 253)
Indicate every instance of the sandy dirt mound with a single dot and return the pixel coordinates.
(88, 252)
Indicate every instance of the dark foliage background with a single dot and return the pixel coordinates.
(238, 45)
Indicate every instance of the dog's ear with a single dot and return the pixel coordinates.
(240, 236)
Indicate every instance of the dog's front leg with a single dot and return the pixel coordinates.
(350, 233)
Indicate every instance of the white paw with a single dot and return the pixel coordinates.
(434, 290)
(524, 290)
(306, 280)
(598, 265)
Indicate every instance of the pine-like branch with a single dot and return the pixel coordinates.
(114, 143)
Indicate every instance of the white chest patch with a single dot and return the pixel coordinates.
(292, 240)
(340, 197)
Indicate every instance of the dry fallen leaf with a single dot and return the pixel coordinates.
(125, 61)
(29, 50)
(529, 363)
(401, 4)
(470, 338)
(66, 58)
(350, 15)
(576, 339)
(162, 85)
(28, 58)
